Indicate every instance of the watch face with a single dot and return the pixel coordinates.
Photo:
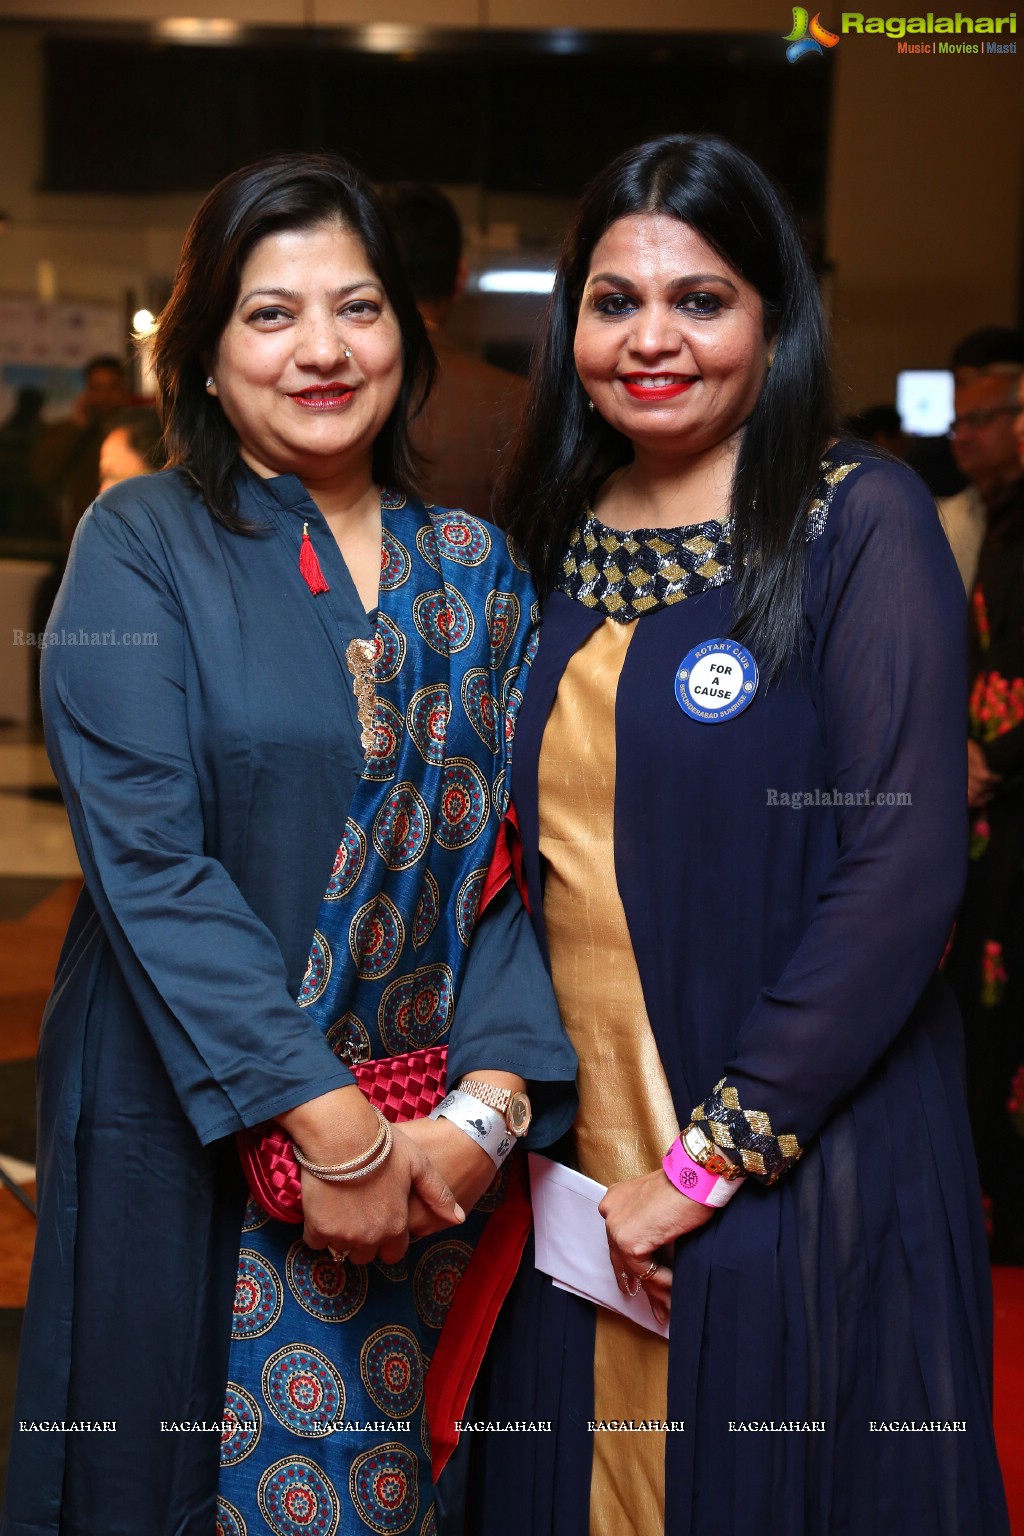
(518, 1114)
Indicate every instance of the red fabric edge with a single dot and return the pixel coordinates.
(473, 1314)
(506, 863)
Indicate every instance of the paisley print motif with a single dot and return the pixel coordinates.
(467, 903)
(428, 909)
(228, 1521)
(375, 937)
(387, 742)
(503, 612)
(322, 1287)
(389, 649)
(444, 620)
(395, 565)
(401, 831)
(465, 803)
(416, 1010)
(383, 1486)
(461, 538)
(392, 1370)
(296, 1499)
(481, 707)
(303, 1391)
(259, 1296)
(348, 862)
(242, 1412)
(318, 971)
(426, 543)
(436, 1279)
(427, 720)
(349, 1039)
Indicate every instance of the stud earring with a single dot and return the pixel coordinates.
(209, 381)
(590, 405)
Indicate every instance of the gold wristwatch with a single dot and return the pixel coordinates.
(702, 1149)
(515, 1106)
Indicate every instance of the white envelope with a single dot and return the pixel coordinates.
(570, 1240)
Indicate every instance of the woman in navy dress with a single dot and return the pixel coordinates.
(279, 694)
(740, 789)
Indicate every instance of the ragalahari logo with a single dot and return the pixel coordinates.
(808, 35)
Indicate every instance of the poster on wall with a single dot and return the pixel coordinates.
(43, 346)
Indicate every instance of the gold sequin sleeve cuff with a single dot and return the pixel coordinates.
(746, 1135)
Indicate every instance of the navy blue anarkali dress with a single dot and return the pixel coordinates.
(789, 877)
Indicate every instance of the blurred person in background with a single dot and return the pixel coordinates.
(986, 962)
(66, 458)
(986, 368)
(133, 446)
(475, 408)
(881, 425)
(22, 503)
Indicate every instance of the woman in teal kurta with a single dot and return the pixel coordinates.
(202, 721)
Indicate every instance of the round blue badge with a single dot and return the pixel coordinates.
(716, 680)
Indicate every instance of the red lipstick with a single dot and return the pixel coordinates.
(323, 397)
(674, 385)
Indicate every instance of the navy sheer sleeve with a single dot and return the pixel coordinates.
(207, 976)
(507, 1019)
(884, 612)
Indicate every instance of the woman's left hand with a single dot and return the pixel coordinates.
(465, 1168)
(642, 1218)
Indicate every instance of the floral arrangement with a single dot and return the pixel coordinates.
(993, 973)
(997, 705)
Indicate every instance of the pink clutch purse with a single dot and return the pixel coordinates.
(401, 1087)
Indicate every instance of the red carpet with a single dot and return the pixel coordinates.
(1008, 1292)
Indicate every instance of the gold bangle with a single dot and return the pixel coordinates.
(367, 1168)
(325, 1170)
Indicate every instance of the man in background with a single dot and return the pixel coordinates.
(987, 367)
(986, 963)
(475, 408)
(66, 457)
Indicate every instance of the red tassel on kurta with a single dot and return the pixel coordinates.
(309, 565)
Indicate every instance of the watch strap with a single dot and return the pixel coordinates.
(695, 1182)
(484, 1125)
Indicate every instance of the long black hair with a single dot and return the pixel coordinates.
(285, 192)
(565, 451)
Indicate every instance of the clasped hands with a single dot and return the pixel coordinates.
(434, 1174)
(643, 1217)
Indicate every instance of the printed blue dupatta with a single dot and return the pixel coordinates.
(328, 1363)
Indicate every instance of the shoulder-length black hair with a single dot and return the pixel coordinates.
(565, 451)
(285, 192)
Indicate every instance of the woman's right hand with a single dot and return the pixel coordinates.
(366, 1218)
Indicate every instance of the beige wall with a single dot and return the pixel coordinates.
(924, 195)
(926, 169)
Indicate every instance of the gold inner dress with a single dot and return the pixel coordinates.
(626, 1116)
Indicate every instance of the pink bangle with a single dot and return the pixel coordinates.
(694, 1181)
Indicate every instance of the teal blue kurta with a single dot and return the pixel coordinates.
(201, 720)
